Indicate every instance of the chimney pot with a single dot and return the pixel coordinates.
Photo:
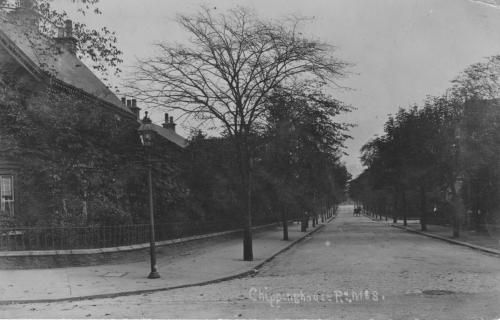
(124, 101)
(165, 122)
(169, 123)
(132, 105)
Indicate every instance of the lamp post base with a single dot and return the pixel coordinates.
(154, 275)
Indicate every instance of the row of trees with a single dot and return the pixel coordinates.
(253, 79)
(440, 161)
(295, 166)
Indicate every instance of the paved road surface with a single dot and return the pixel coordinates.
(354, 269)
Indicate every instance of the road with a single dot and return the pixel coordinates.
(354, 268)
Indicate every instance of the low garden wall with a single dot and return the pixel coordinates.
(41, 259)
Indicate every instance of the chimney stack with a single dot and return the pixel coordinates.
(135, 109)
(124, 101)
(65, 37)
(68, 27)
(169, 123)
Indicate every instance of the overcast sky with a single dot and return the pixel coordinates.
(402, 50)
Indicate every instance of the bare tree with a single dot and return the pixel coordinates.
(227, 72)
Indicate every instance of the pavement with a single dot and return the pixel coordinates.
(353, 268)
(196, 263)
(488, 241)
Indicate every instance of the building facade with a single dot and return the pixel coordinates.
(38, 68)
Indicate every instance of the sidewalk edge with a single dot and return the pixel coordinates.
(247, 273)
(453, 241)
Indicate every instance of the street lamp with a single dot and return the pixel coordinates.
(146, 133)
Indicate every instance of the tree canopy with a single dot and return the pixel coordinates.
(230, 66)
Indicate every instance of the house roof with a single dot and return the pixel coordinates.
(40, 54)
(170, 135)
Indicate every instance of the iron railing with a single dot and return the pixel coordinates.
(91, 237)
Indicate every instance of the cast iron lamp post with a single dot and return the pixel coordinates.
(146, 133)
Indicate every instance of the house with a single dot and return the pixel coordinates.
(39, 65)
(168, 133)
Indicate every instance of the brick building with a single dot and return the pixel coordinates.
(37, 65)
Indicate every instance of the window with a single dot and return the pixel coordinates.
(7, 194)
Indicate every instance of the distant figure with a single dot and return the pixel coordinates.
(357, 211)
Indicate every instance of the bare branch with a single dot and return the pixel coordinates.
(231, 65)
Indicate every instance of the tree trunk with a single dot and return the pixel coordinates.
(303, 223)
(245, 168)
(456, 223)
(457, 211)
(395, 209)
(423, 209)
(404, 207)
(285, 224)
(247, 230)
(247, 240)
(477, 219)
(458, 207)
